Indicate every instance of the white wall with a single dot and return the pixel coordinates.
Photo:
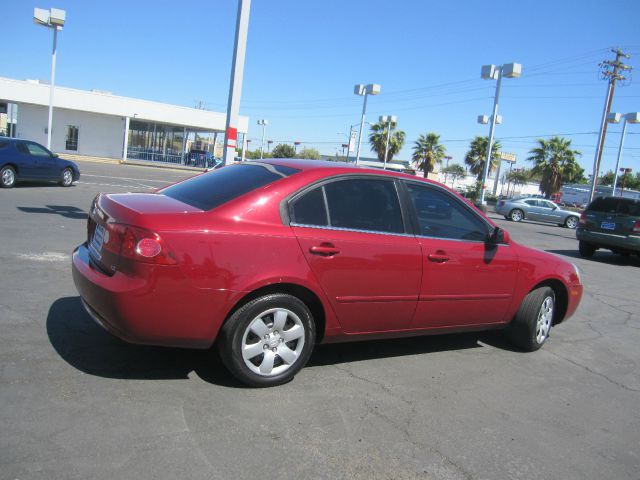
(98, 135)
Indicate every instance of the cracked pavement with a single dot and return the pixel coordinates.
(77, 403)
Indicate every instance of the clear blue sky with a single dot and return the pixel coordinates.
(304, 57)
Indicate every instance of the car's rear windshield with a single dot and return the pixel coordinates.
(624, 206)
(212, 189)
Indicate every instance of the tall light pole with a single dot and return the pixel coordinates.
(235, 83)
(509, 70)
(269, 142)
(295, 146)
(389, 120)
(53, 18)
(633, 117)
(264, 124)
(364, 90)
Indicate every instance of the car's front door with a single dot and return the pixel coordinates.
(466, 280)
(353, 236)
(45, 165)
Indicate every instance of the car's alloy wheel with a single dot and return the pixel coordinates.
(571, 222)
(268, 340)
(67, 177)
(531, 326)
(7, 177)
(516, 215)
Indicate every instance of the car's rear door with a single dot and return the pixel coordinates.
(466, 281)
(353, 236)
(27, 164)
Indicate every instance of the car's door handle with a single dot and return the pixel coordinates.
(438, 257)
(325, 250)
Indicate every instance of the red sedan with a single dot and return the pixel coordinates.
(267, 259)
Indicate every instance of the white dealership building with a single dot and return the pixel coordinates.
(100, 124)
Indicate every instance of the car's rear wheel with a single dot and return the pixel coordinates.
(571, 222)
(531, 326)
(7, 177)
(586, 249)
(516, 215)
(268, 340)
(67, 177)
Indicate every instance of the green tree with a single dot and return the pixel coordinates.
(309, 153)
(517, 177)
(453, 172)
(378, 140)
(427, 151)
(477, 154)
(607, 178)
(554, 160)
(282, 150)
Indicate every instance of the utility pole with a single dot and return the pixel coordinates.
(611, 70)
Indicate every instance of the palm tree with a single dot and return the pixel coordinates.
(378, 140)
(517, 177)
(477, 155)
(427, 151)
(553, 159)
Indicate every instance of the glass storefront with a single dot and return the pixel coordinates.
(157, 142)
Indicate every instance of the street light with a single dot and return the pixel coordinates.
(493, 72)
(613, 117)
(264, 124)
(365, 91)
(53, 18)
(389, 120)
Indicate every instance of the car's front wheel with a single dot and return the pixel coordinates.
(571, 222)
(516, 215)
(7, 177)
(67, 177)
(531, 326)
(268, 340)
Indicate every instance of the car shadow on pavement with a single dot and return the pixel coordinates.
(602, 256)
(89, 348)
(64, 210)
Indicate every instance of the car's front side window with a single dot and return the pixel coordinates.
(37, 151)
(366, 204)
(442, 215)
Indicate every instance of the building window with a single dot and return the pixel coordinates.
(72, 138)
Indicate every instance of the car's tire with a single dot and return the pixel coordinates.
(586, 249)
(516, 215)
(67, 177)
(7, 177)
(530, 328)
(571, 222)
(268, 340)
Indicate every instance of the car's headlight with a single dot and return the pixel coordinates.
(577, 270)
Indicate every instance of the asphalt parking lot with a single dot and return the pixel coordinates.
(76, 402)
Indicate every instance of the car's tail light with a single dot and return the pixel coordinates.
(137, 244)
(636, 227)
(583, 218)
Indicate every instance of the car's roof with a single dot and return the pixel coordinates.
(336, 167)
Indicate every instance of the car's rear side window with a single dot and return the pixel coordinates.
(4, 143)
(624, 206)
(212, 189)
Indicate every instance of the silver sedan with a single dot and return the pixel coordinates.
(537, 209)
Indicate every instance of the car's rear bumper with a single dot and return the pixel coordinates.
(609, 240)
(157, 307)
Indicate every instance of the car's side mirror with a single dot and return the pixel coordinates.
(54, 155)
(498, 236)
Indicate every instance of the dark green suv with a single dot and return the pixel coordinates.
(612, 223)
